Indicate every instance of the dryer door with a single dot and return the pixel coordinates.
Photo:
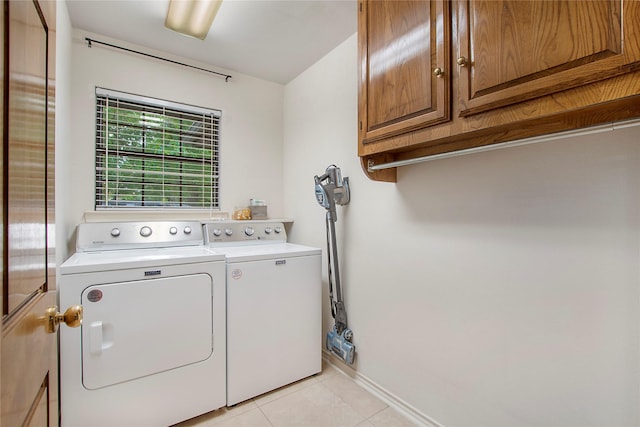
(139, 328)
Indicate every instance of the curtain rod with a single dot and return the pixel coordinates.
(516, 143)
(90, 41)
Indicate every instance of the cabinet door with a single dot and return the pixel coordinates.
(512, 51)
(401, 44)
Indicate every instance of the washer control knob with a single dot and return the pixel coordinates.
(268, 230)
(249, 231)
(278, 229)
(145, 231)
(173, 231)
(187, 230)
(228, 231)
(115, 232)
(217, 232)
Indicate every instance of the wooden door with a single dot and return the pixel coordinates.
(400, 45)
(511, 51)
(29, 375)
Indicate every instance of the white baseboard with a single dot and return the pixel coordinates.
(380, 392)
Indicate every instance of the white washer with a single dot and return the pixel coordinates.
(274, 317)
(151, 350)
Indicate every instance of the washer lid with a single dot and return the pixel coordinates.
(89, 262)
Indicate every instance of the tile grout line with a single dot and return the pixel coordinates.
(265, 416)
(377, 413)
(304, 380)
(346, 403)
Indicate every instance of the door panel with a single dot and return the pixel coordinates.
(27, 153)
(28, 354)
(29, 375)
(40, 410)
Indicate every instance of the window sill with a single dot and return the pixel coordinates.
(165, 214)
(154, 214)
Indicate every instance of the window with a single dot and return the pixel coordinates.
(152, 153)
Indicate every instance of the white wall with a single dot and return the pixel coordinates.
(251, 126)
(63, 129)
(495, 289)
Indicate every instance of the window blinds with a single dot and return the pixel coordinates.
(152, 153)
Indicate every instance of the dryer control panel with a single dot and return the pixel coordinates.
(236, 232)
(93, 236)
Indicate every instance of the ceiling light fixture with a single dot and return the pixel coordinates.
(192, 17)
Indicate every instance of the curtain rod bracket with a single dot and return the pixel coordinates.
(89, 41)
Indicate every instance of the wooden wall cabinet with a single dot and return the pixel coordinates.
(508, 69)
(403, 71)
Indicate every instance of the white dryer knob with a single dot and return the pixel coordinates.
(145, 231)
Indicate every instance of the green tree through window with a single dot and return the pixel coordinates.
(155, 154)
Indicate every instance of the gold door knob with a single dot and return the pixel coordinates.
(438, 72)
(462, 61)
(72, 318)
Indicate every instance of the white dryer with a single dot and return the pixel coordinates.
(274, 314)
(151, 350)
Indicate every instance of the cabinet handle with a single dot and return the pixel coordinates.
(462, 61)
(438, 72)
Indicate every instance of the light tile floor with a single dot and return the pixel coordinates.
(328, 399)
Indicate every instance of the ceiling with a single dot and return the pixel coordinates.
(273, 40)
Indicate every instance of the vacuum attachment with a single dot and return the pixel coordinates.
(331, 190)
(341, 345)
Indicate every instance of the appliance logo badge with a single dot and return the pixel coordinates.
(281, 262)
(94, 295)
(236, 274)
(152, 273)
